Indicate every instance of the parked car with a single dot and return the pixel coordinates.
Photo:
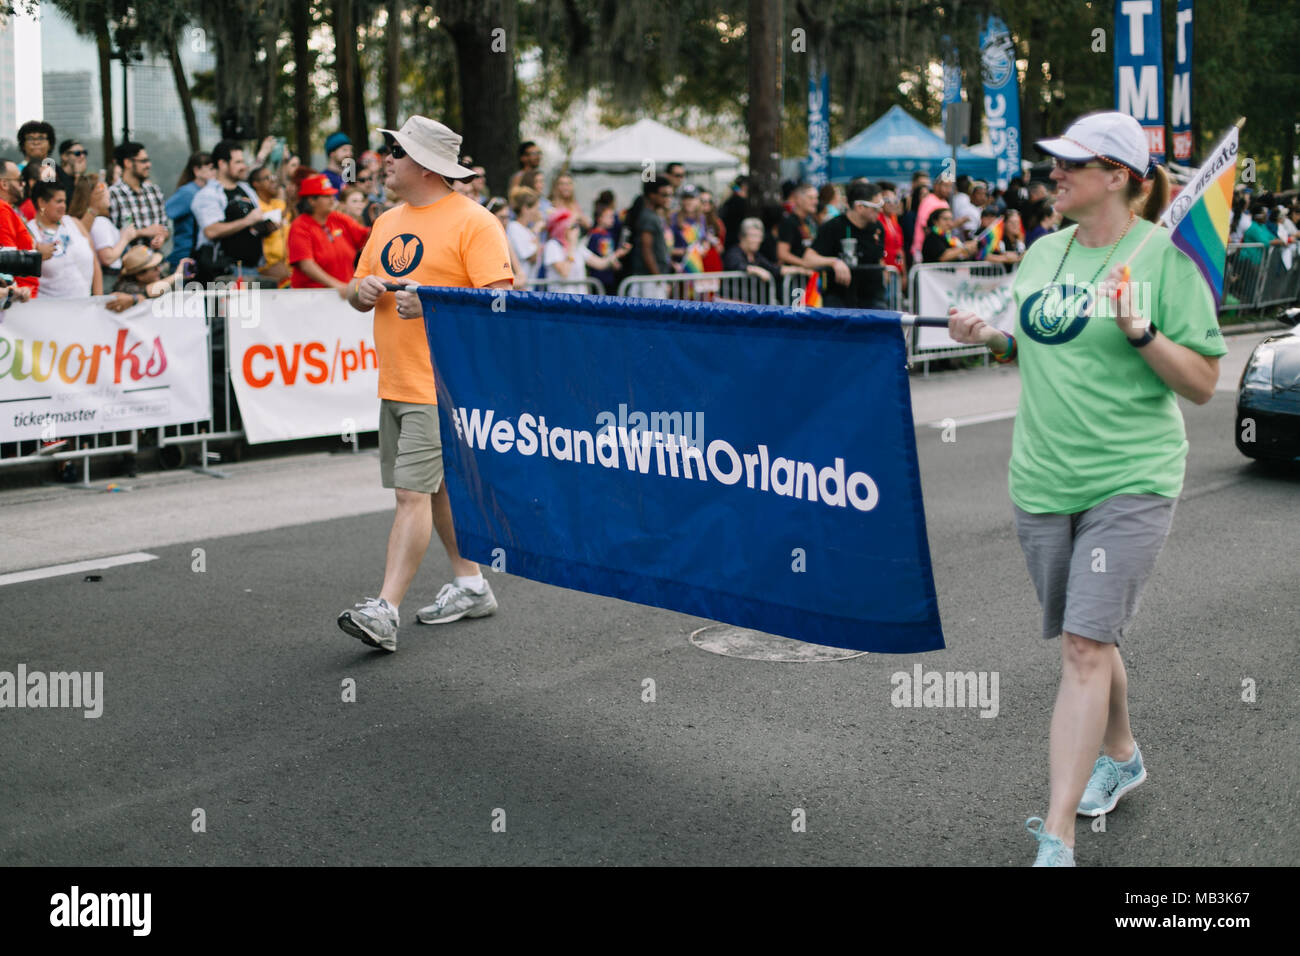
(1268, 397)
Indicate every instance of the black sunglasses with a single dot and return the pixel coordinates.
(396, 151)
(76, 152)
(1070, 165)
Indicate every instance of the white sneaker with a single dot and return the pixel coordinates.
(374, 622)
(455, 602)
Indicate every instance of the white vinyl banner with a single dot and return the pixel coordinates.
(303, 364)
(988, 296)
(71, 367)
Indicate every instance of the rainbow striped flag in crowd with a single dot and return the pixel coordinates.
(1198, 217)
(693, 259)
(812, 293)
(993, 239)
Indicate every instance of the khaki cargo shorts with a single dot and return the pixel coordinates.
(410, 446)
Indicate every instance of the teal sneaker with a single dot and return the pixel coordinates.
(1110, 781)
(1052, 850)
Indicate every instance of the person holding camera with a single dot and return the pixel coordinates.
(13, 231)
(231, 225)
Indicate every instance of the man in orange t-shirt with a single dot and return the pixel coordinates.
(434, 237)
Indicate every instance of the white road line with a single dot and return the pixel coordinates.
(76, 567)
(974, 419)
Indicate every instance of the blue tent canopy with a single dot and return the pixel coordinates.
(896, 145)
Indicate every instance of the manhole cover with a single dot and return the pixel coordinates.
(731, 641)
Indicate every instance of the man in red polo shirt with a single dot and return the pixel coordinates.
(13, 231)
(323, 243)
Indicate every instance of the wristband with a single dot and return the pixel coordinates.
(1010, 354)
(1147, 338)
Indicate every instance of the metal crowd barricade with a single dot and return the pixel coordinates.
(1243, 272)
(1291, 290)
(222, 301)
(926, 356)
(79, 447)
(83, 447)
(560, 284)
(223, 425)
(793, 284)
(702, 287)
(1277, 282)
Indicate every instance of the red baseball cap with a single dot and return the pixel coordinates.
(318, 185)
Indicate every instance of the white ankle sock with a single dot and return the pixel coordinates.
(475, 584)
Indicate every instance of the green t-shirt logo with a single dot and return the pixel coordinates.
(1056, 314)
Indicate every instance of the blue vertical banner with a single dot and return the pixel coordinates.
(1180, 111)
(819, 123)
(1139, 69)
(951, 79)
(754, 465)
(1001, 97)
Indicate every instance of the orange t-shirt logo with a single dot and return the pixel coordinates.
(402, 254)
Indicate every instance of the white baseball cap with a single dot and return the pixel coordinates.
(431, 145)
(1104, 135)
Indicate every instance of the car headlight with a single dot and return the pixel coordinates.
(1259, 371)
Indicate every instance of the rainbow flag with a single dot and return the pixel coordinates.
(1198, 217)
(693, 259)
(993, 239)
(812, 293)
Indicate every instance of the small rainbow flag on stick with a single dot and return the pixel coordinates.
(812, 293)
(992, 238)
(1198, 217)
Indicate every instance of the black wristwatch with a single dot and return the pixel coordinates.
(1147, 337)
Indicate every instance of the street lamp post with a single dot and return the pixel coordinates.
(126, 55)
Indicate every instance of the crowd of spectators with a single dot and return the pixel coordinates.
(265, 219)
(269, 219)
(674, 227)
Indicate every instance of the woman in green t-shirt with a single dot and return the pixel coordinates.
(1099, 449)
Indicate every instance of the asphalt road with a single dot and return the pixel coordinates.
(223, 692)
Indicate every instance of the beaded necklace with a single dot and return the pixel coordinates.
(1070, 245)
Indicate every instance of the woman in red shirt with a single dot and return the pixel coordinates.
(893, 231)
(323, 243)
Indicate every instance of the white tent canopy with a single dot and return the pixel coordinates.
(627, 150)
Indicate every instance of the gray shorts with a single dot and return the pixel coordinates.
(410, 446)
(1089, 568)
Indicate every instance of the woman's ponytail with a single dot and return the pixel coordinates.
(1149, 201)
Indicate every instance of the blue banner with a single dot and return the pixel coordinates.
(819, 124)
(1139, 69)
(1001, 97)
(1180, 112)
(751, 465)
